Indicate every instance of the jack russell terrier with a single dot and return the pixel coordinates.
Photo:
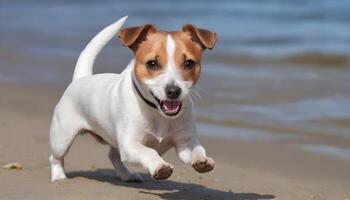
(142, 112)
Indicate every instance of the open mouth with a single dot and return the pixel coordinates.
(170, 107)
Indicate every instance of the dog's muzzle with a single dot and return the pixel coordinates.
(168, 107)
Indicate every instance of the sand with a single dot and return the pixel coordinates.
(243, 170)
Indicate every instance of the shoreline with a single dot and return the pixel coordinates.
(245, 169)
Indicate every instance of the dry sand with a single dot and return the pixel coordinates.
(244, 170)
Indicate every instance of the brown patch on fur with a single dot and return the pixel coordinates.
(150, 44)
(132, 37)
(154, 48)
(205, 38)
(187, 49)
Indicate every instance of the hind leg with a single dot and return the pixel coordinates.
(120, 168)
(62, 135)
(57, 168)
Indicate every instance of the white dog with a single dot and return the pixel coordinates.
(142, 112)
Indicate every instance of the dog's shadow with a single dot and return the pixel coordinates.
(173, 190)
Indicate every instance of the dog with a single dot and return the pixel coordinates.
(141, 112)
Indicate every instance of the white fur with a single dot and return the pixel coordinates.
(87, 57)
(108, 105)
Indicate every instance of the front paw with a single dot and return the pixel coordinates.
(163, 171)
(203, 165)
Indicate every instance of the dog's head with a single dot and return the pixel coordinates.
(167, 64)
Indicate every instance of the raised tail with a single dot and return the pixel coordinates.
(87, 57)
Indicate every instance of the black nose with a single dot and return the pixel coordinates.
(172, 91)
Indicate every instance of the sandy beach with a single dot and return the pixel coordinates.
(244, 169)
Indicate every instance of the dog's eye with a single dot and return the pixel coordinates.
(152, 65)
(189, 64)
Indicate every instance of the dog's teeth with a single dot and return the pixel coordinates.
(171, 106)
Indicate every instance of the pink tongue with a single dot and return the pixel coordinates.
(171, 106)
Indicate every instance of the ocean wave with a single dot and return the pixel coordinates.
(308, 58)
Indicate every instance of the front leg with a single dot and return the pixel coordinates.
(134, 151)
(190, 151)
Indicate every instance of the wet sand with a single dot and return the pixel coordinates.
(244, 169)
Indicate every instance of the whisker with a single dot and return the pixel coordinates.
(196, 96)
(200, 89)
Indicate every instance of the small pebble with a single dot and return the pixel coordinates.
(13, 165)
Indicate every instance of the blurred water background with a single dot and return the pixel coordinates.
(280, 70)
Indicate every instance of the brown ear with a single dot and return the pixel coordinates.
(133, 36)
(205, 38)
